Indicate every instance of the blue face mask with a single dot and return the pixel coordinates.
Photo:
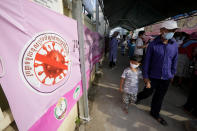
(168, 36)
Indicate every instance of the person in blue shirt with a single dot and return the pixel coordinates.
(159, 68)
(131, 47)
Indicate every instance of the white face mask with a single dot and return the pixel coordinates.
(133, 65)
(180, 42)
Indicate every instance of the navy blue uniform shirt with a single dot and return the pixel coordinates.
(160, 60)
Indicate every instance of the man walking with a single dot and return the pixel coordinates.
(159, 68)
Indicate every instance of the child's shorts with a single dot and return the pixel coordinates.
(129, 98)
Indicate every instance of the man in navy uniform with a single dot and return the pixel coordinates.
(159, 67)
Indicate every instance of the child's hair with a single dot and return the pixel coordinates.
(134, 58)
(141, 33)
(133, 40)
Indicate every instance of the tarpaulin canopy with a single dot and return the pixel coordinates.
(132, 14)
(90, 5)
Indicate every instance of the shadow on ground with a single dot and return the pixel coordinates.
(107, 115)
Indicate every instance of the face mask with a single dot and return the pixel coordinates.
(180, 42)
(143, 36)
(133, 66)
(178, 38)
(183, 38)
(168, 36)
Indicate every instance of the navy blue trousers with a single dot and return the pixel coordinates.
(159, 88)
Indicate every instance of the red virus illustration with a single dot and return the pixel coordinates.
(53, 63)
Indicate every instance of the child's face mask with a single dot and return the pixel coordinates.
(133, 65)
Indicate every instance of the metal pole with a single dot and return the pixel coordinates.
(97, 25)
(97, 15)
(78, 15)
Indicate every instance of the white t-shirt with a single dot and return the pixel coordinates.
(124, 43)
(131, 80)
(139, 42)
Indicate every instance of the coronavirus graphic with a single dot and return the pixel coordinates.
(46, 63)
(53, 63)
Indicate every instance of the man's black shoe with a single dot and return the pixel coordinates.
(160, 120)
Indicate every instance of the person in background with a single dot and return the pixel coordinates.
(140, 45)
(130, 35)
(181, 37)
(119, 38)
(183, 59)
(106, 44)
(123, 45)
(159, 68)
(130, 80)
(113, 46)
(131, 48)
(144, 50)
(191, 103)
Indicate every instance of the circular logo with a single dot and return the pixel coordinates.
(46, 63)
(76, 93)
(60, 109)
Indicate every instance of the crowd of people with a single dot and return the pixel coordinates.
(168, 58)
(135, 46)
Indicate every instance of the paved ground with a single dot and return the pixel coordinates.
(107, 115)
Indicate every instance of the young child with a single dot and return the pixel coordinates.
(130, 80)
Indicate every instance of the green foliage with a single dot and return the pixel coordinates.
(77, 121)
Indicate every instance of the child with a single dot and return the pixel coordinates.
(130, 79)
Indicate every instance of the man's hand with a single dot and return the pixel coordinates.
(145, 46)
(148, 85)
(146, 80)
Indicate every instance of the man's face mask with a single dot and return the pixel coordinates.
(168, 36)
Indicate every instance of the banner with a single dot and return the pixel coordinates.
(40, 56)
(188, 25)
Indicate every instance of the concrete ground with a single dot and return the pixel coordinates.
(107, 115)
